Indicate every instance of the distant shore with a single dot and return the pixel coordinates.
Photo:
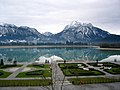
(50, 46)
(108, 48)
(61, 46)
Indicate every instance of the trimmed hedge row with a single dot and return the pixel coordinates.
(40, 65)
(81, 72)
(70, 65)
(38, 82)
(1, 73)
(79, 81)
(37, 72)
(106, 64)
(113, 70)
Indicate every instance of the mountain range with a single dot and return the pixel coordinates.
(74, 32)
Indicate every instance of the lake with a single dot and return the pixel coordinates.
(67, 53)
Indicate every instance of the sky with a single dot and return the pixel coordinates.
(54, 15)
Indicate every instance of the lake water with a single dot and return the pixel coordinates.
(30, 54)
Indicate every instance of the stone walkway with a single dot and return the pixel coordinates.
(58, 77)
(14, 74)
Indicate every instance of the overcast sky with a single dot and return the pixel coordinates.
(54, 15)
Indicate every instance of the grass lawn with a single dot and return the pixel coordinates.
(81, 72)
(38, 82)
(105, 64)
(79, 81)
(72, 69)
(39, 66)
(36, 73)
(70, 65)
(4, 74)
(115, 70)
(9, 66)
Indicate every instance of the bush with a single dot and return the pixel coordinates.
(37, 72)
(7, 66)
(108, 64)
(40, 65)
(1, 73)
(113, 70)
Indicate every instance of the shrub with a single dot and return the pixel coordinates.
(40, 65)
(1, 73)
(37, 72)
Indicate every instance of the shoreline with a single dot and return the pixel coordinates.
(50, 46)
(61, 46)
(108, 48)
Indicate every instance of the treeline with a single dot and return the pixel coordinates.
(110, 45)
(29, 44)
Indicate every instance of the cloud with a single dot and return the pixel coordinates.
(53, 15)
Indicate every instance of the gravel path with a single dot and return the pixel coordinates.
(58, 78)
(14, 74)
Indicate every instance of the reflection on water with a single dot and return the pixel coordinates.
(28, 54)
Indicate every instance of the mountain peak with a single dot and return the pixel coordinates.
(7, 25)
(76, 24)
(47, 34)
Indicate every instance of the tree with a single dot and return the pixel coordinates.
(97, 61)
(15, 62)
(2, 62)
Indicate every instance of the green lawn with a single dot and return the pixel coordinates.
(81, 72)
(36, 73)
(79, 81)
(70, 65)
(4, 74)
(39, 66)
(72, 69)
(105, 64)
(115, 70)
(9, 66)
(38, 82)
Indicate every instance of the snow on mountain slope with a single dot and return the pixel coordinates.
(77, 31)
(47, 34)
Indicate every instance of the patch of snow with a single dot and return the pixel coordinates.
(111, 58)
(11, 40)
(43, 59)
(85, 68)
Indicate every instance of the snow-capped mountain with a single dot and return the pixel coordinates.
(74, 32)
(77, 31)
(12, 32)
(47, 33)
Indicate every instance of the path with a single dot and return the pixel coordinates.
(14, 74)
(58, 77)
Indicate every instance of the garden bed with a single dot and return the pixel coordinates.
(78, 69)
(39, 65)
(71, 65)
(4, 74)
(9, 66)
(114, 70)
(105, 64)
(81, 72)
(36, 73)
